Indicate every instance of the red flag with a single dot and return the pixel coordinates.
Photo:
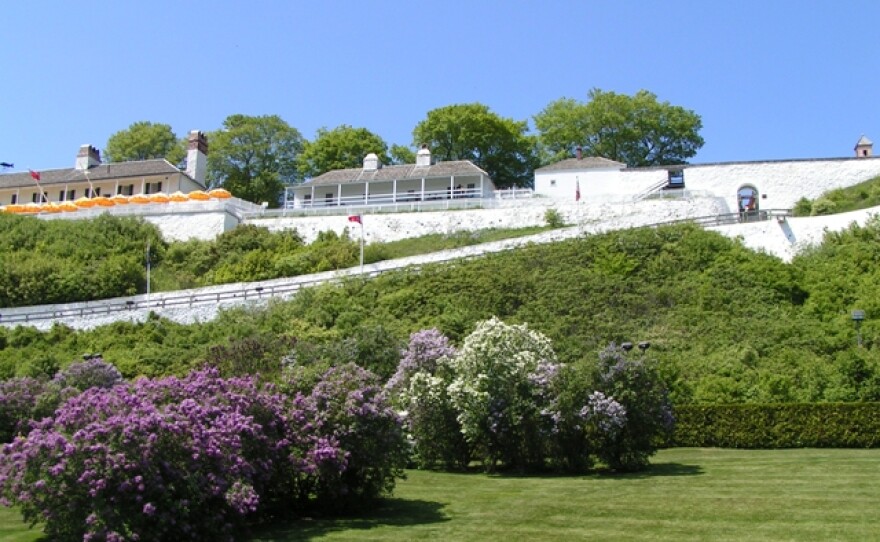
(577, 191)
(35, 174)
(355, 218)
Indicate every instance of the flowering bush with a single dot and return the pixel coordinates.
(94, 372)
(18, 399)
(364, 437)
(419, 390)
(501, 390)
(191, 458)
(637, 420)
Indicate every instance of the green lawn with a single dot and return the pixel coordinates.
(688, 494)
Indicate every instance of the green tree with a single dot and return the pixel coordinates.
(401, 154)
(144, 141)
(472, 132)
(638, 130)
(255, 157)
(340, 148)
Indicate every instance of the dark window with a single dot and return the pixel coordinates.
(14, 199)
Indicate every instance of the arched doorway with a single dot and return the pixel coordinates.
(747, 201)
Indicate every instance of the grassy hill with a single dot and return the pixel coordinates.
(726, 323)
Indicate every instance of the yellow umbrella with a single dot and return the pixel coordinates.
(199, 195)
(68, 206)
(220, 193)
(179, 196)
(52, 208)
(84, 202)
(159, 197)
(119, 199)
(139, 198)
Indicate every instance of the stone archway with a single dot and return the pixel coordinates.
(747, 198)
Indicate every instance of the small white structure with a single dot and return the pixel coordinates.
(375, 184)
(742, 186)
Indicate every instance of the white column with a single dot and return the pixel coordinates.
(423, 189)
(481, 185)
(451, 186)
(366, 193)
(394, 191)
(312, 201)
(339, 196)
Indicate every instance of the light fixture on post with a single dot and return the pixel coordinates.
(627, 346)
(643, 346)
(857, 317)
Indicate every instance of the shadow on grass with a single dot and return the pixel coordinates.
(394, 512)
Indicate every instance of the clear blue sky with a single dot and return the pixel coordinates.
(772, 79)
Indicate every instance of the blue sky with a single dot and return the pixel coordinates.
(772, 79)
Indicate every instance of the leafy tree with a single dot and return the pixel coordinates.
(340, 148)
(144, 141)
(472, 132)
(637, 130)
(255, 157)
(401, 154)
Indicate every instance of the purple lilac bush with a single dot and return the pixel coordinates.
(180, 459)
(91, 373)
(18, 399)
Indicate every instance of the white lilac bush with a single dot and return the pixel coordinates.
(504, 399)
(195, 458)
(419, 390)
(500, 390)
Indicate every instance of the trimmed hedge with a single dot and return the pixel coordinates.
(818, 425)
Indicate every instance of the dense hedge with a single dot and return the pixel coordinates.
(818, 425)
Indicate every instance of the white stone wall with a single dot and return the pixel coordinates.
(512, 214)
(779, 183)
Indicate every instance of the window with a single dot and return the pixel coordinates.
(39, 197)
(90, 193)
(153, 188)
(676, 178)
(14, 199)
(125, 190)
(307, 199)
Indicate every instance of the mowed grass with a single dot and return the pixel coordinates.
(688, 494)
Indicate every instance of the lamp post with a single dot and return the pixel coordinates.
(857, 317)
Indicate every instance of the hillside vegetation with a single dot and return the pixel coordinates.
(841, 200)
(726, 324)
(63, 261)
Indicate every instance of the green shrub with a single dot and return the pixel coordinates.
(818, 425)
(553, 218)
(823, 206)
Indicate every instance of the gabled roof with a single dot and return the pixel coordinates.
(864, 141)
(587, 162)
(396, 173)
(103, 172)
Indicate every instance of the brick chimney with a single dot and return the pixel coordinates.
(87, 157)
(423, 157)
(197, 156)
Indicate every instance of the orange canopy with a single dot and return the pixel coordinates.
(139, 198)
(159, 197)
(68, 206)
(119, 199)
(104, 201)
(198, 195)
(179, 196)
(220, 193)
(84, 202)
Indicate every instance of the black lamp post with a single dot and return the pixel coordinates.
(857, 317)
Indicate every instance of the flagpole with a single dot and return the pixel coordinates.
(148, 269)
(362, 247)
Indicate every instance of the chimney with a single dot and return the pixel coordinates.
(423, 157)
(371, 162)
(864, 147)
(87, 157)
(579, 153)
(197, 156)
